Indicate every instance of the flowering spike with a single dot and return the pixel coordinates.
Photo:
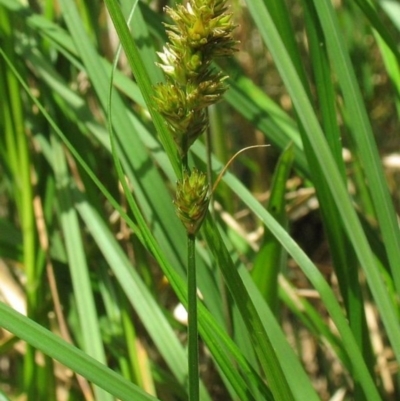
(192, 200)
(201, 30)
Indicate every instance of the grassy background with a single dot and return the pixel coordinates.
(298, 263)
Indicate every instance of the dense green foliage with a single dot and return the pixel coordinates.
(94, 256)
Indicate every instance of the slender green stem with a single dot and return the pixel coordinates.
(209, 162)
(193, 343)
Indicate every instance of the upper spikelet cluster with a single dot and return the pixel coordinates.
(200, 31)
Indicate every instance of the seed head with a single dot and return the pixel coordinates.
(192, 200)
(201, 31)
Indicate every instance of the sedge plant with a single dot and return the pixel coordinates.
(55, 149)
(200, 32)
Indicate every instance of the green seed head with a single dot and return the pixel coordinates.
(201, 30)
(192, 200)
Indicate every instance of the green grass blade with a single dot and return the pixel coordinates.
(141, 35)
(19, 163)
(92, 341)
(268, 262)
(291, 366)
(344, 261)
(143, 80)
(72, 357)
(279, 13)
(324, 85)
(261, 341)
